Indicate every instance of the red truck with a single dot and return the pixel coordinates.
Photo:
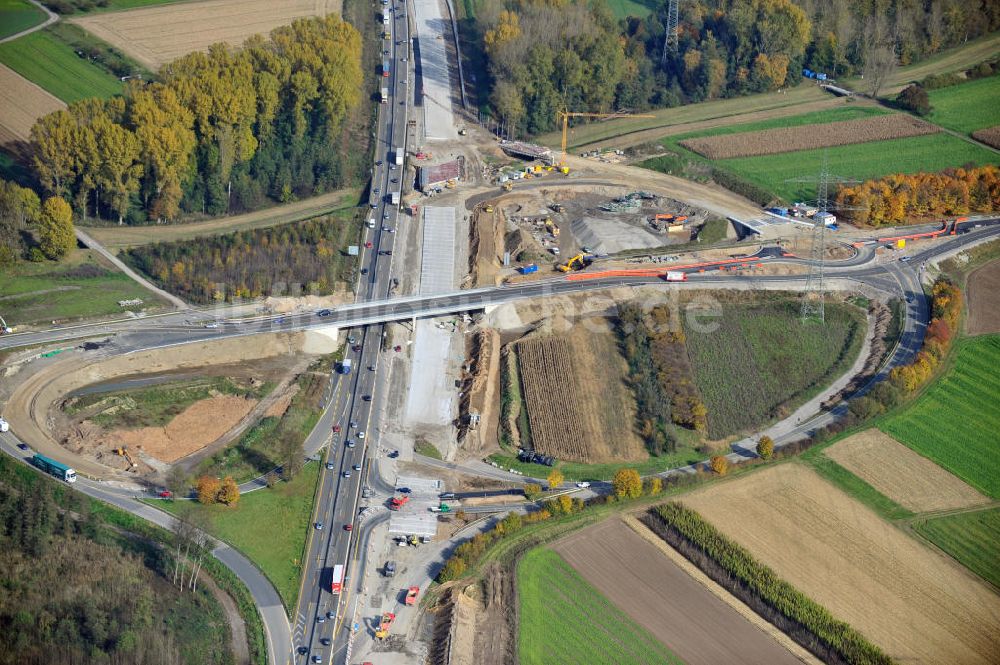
(411, 595)
(398, 502)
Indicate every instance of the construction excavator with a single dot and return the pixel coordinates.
(383, 628)
(123, 452)
(578, 262)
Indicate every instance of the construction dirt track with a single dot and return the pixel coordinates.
(695, 624)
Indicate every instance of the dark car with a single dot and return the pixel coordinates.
(320, 619)
(366, 398)
(348, 527)
(403, 490)
(303, 650)
(317, 658)
(22, 446)
(356, 347)
(350, 443)
(394, 454)
(324, 312)
(446, 495)
(357, 467)
(325, 641)
(364, 271)
(385, 252)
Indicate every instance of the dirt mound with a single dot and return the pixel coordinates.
(479, 392)
(194, 428)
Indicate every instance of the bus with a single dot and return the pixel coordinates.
(337, 579)
(52, 467)
(385, 68)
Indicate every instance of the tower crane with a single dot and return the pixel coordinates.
(566, 115)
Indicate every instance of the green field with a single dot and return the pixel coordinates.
(637, 8)
(156, 405)
(972, 538)
(967, 107)
(565, 620)
(838, 114)
(18, 15)
(955, 423)
(855, 486)
(45, 292)
(269, 526)
(757, 361)
(933, 152)
(50, 63)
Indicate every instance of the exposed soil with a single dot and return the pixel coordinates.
(909, 479)
(496, 622)
(658, 595)
(21, 104)
(479, 392)
(237, 627)
(984, 300)
(914, 602)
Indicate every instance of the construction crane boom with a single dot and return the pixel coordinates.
(566, 115)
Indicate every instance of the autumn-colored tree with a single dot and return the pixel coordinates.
(719, 464)
(208, 489)
(653, 485)
(229, 493)
(453, 569)
(19, 209)
(52, 138)
(765, 447)
(555, 479)
(565, 504)
(532, 491)
(56, 237)
(461, 515)
(627, 484)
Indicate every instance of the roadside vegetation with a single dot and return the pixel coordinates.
(156, 405)
(301, 258)
(555, 603)
(18, 15)
(45, 59)
(83, 585)
(269, 526)
(972, 538)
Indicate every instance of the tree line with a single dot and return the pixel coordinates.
(31, 229)
(902, 198)
(544, 56)
(248, 264)
(222, 131)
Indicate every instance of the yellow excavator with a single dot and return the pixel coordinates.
(578, 262)
(123, 452)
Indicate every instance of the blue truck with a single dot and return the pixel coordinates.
(345, 366)
(528, 269)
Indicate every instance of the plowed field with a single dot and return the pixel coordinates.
(579, 407)
(662, 598)
(984, 295)
(157, 35)
(914, 602)
(808, 137)
(21, 103)
(909, 479)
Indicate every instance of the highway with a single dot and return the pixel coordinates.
(321, 622)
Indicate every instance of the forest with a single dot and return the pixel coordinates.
(902, 198)
(305, 256)
(219, 132)
(544, 56)
(120, 607)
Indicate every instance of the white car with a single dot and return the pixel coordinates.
(583, 485)
(4, 425)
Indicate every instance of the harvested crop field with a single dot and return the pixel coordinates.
(808, 137)
(990, 136)
(984, 297)
(21, 104)
(579, 406)
(909, 479)
(915, 603)
(662, 598)
(157, 35)
(194, 428)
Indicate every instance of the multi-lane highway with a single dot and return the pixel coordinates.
(322, 623)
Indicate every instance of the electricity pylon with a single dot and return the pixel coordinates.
(671, 38)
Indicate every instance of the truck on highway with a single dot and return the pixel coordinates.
(399, 157)
(385, 67)
(385, 95)
(345, 366)
(54, 468)
(394, 198)
(337, 579)
(675, 276)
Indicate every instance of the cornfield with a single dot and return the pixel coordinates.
(990, 136)
(807, 137)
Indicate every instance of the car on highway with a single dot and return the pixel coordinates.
(317, 658)
(347, 474)
(303, 650)
(361, 435)
(446, 495)
(4, 425)
(356, 467)
(377, 190)
(348, 527)
(368, 244)
(324, 312)
(165, 494)
(394, 454)
(330, 614)
(378, 163)
(371, 368)
(356, 347)
(22, 446)
(336, 428)
(395, 180)
(364, 271)
(385, 228)
(373, 205)
(318, 525)
(397, 348)
(350, 443)
(385, 252)
(212, 325)
(354, 423)
(366, 398)
(329, 466)
(583, 485)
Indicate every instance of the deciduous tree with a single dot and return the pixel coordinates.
(555, 479)
(55, 228)
(208, 489)
(532, 491)
(719, 464)
(765, 447)
(627, 484)
(229, 492)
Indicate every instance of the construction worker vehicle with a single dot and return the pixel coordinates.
(384, 625)
(123, 452)
(578, 262)
(411, 595)
(398, 502)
